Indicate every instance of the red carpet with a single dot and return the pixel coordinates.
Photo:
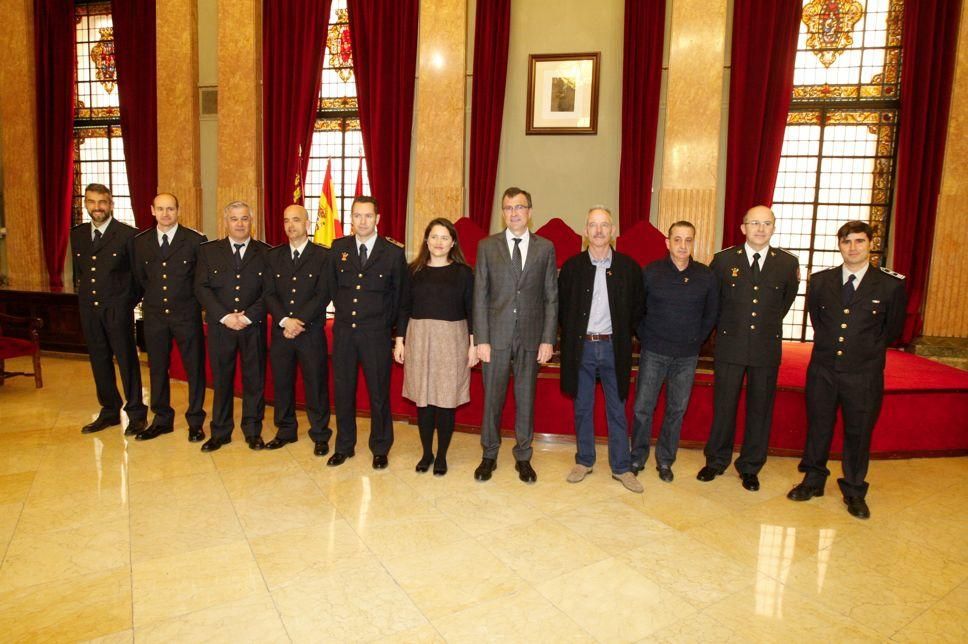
(925, 410)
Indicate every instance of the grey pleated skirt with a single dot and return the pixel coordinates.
(435, 363)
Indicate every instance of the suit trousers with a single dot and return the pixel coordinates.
(524, 364)
(160, 333)
(372, 349)
(109, 334)
(760, 392)
(308, 351)
(249, 347)
(859, 395)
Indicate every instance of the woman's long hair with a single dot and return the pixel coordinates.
(423, 255)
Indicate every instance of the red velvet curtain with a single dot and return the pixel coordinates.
(760, 86)
(54, 53)
(134, 54)
(641, 82)
(492, 30)
(929, 51)
(293, 45)
(384, 38)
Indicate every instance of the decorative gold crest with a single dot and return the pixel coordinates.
(685, 280)
(343, 256)
(735, 272)
(830, 23)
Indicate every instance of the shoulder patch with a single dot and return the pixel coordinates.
(892, 273)
(394, 241)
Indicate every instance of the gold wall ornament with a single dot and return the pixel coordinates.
(830, 23)
(102, 55)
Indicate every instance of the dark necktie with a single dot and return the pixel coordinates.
(516, 257)
(295, 256)
(97, 236)
(362, 254)
(756, 268)
(164, 246)
(848, 292)
(238, 255)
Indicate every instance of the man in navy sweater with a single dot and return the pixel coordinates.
(681, 303)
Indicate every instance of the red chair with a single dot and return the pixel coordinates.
(642, 242)
(469, 235)
(11, 347)
(566, 241)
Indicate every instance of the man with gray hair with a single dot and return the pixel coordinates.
(228, 284)
(601, 302)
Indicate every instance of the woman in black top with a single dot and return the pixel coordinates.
(439, 348)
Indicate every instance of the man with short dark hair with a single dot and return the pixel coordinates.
(857, 311)
(106, 294)
(681, 302)
(164, 265)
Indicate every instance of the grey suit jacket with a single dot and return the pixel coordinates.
(500, 301)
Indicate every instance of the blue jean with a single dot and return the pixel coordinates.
(678, 374)
(598, 362)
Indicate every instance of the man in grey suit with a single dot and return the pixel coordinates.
(515, 323)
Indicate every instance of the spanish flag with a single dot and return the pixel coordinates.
(328, 225)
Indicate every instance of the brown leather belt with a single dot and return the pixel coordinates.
(598, 337)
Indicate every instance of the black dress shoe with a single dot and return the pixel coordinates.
(153, 432)
(195, 434)
(214, 443)
(665, 473)
(804, 492)
(857, 507)
(255, 443)
(100, 423)
(636, 467)
(321, 448)
(424, 463)
(277, 442)
(135, 427)
(483, 471)
(525, 472)
(338, 458)
(707, 474)
(440, 466)
(380, 461)
(751, 482)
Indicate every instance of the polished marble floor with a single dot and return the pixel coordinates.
(114, 540)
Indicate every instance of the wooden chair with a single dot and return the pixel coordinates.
(13, 347)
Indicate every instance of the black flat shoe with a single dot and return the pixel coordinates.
(338, 458)
(255, 443)
(707, 474)
(483, 471)
(857, 507)
(277, 442)
(153, 432)
(321, 448)
(804, 492)
(214, 443)
(525, 472)
(440, 466)
(135, 427)
(195, 434)
(751, 482)
(665, 473)
(99, 424)
(424, 463)
(636, 467)
(380, 461)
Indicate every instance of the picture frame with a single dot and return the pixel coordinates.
(563, 93)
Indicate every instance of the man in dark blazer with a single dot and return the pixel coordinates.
(857, 311)
(370, 282)
(757, 286)
(600, 303)
(228, 282)
(296, 295)
(107, 293)
(515, 324)
(164, 265)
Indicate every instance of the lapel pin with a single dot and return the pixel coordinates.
(685, 280)
(735, 272)
(343, 256)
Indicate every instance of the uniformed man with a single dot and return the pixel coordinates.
(369, 281)
(164, 265)
(296, 295)
(228, 283)
(856, 311)
(757, 286)
(106, 294)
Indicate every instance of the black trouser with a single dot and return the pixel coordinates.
(224, 346)
(160, 331)
(859, 396)
(760, 392)
(371, 349)
(441, 419)
(308, 350)
(109, 334)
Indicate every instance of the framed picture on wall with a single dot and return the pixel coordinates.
(563, 93)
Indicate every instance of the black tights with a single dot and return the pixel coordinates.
(441, 418)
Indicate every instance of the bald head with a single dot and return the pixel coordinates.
(164, 207)
(296, 220)
(758, 225)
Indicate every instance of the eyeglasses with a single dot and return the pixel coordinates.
(515, 208)
(757, 224)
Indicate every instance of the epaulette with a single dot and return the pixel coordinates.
(83, 223)
(210, 241)
(892, 273)
(783, 250)
(737, 248)
(394, 241)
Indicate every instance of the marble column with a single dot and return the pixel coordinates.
(693, 127)
(25, 260)
(178, 138)
(240, 107)
(439, 115)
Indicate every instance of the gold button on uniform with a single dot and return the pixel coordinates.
(163, 276)
(293, 278)
(164, 263)
(754, 314)
(846, 311)
(167, 311)
(292, 301)
(354, 300)
(755, 301)
(357, 287)
(353, 325)
(95, 303)
(94, 268)
(756, 288)
(840, 339)
(840, 353)
(753, 327)
(843, 325)
(353, 313)
(236, 299)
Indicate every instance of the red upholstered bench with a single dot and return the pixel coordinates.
(566, 241)
(13, 347)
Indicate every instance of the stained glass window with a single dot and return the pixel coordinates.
(337, 138)
(98, 147)
(838, 155)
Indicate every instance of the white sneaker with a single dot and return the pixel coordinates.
(578, 473)
(629, 481)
